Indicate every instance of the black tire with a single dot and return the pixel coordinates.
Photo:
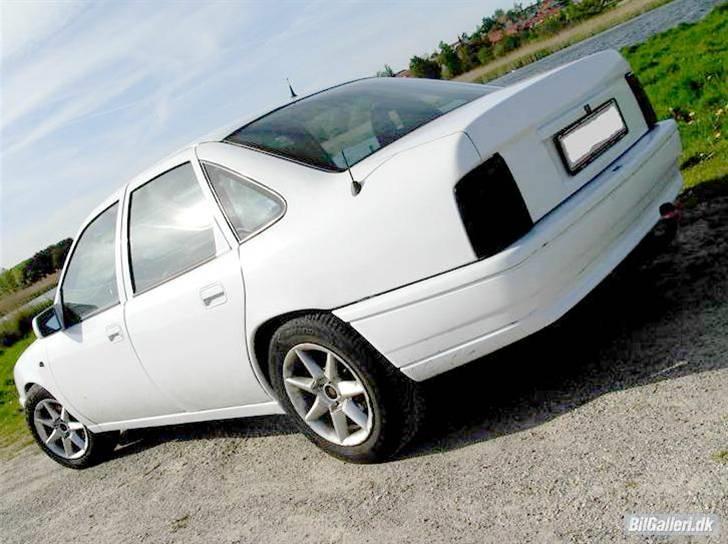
(100, 445)
(397, 402)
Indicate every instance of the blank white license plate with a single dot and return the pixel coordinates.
(582, 142)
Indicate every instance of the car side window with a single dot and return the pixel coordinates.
(89, 284)
(170, 228)
(247, 206)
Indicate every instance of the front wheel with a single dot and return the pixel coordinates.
(61, 436)
(344, 396)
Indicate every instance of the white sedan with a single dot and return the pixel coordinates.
(326, 257)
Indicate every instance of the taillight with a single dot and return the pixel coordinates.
(644, 102)
(491, 207)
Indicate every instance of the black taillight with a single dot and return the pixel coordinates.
(491, 207)
(644, 102)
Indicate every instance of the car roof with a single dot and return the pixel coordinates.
(219, 134)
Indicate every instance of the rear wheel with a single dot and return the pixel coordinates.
(61, 436)
(344, 396)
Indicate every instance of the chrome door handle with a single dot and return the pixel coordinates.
(113, 333)
(213, 295)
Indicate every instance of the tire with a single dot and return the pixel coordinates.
(392, 403)
(40, 408)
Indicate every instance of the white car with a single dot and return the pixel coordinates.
(325, 257)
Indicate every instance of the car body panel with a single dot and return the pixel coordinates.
(434, 325)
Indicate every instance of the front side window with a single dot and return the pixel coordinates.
(170, 228)
(89, 285)
(247, 206)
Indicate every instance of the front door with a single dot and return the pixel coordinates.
(186, 314)
(92, 359)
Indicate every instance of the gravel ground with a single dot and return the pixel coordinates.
(631, 32)
(622, 406)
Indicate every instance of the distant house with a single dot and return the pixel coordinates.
(403, 73)
(546, 9)
(511, 28)
(495, 35)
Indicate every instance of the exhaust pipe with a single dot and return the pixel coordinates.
(670, 211)
(670, 215)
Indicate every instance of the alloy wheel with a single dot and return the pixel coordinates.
(328, 394)
(61, 433)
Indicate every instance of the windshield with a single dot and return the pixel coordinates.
(350, 122)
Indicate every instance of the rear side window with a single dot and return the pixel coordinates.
(170, 228)
(247, 206)
(89, 285)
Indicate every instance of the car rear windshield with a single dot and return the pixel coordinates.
(348, 123)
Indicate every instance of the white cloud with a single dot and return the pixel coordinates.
(25, 24)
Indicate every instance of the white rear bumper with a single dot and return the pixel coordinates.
(440, 323)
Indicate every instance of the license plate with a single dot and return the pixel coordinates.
(583, 141)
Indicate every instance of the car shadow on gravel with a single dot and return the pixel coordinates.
(138, 440)
(660, 315)
(657, 317)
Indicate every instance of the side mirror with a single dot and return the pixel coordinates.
(46, 323)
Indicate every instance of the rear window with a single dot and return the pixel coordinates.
(350, 122)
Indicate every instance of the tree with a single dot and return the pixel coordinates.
(486, 25)
(39, 266)
(427, 68)
(450, 60)
(59, 252)
(387, 72)
(485, 54)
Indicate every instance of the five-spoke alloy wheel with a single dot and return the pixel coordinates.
(60, 435)
(327, 393)
(60, 431)
(342, 394)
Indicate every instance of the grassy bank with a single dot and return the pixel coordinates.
(13, 433)
(685, 75)
(539, 49)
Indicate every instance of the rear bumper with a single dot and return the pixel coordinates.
(443, 322)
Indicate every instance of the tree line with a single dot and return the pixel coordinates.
(499, 34)
(43, 263)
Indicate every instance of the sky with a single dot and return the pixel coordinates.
(93, 93)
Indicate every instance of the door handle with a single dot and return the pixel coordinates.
(113, 333)
(213, 295)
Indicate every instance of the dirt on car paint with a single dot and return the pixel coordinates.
(621, 406)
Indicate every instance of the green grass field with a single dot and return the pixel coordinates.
(13, 432)
(684, 73)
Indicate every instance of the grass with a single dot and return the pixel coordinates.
(685, 75)
(13, 431)
(18, 324)
(543, 47)
(721, 456)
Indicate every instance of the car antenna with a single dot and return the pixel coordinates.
(355, 185)
(290, 88)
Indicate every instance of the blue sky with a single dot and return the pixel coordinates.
(92, 93)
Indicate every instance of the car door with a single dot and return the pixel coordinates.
(186, 311)
(92, 359)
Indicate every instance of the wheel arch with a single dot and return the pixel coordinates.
(262, 336)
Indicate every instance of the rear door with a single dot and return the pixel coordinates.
(186, 307)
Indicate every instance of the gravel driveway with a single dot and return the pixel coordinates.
(620, 407)
(631, 32)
